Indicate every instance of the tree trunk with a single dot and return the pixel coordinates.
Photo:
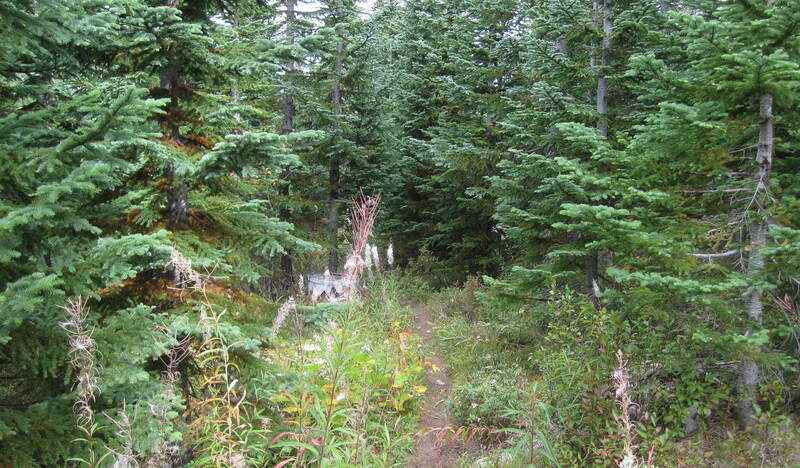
(334, 175)
(749, 373)
(561, 46)
(592, 263)
(177, 192)
(237, 117)
(602, 84)
(287, 127)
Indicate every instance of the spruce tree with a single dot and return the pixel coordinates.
(455, 62)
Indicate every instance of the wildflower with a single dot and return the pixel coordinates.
(81, 355)
(283, 312)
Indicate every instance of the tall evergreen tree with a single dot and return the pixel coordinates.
(456, 62)
(70, 142)
(750, 50)
(96, 201)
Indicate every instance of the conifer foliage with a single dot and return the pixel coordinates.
(115, 157)
(177, 163)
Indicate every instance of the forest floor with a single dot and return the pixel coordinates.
(434, 449)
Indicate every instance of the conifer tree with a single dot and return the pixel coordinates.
(580, 205)
(455, 63)
(70, 142)
(751, 52)
(339, 18)
(288, 126)
(96, 201)
(641, 152)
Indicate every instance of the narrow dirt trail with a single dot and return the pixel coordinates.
(429, 453)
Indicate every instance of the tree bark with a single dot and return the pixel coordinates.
(749, 373)
(177, 192)
(596, 25)
(287, 127)
(561, 46)
(592, 263)
(602, 83)
(237, 117)
(592, 287)
(334, 174)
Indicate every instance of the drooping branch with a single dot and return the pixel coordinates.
(731, 190)
(729, 253)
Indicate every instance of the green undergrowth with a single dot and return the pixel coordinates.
(250, 383)
(536, 381)
(345, 392)
(489, 361)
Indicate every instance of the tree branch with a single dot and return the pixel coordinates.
(729, 253)
(732, 190)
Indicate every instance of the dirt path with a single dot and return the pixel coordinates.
(428, 453)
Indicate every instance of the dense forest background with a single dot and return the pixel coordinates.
(587, 189)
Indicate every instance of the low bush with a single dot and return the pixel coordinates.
(486, 399)
(346, 391)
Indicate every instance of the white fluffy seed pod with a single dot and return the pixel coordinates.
(368, 258)
(375, 258)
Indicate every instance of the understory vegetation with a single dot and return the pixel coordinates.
(540, 382)
(224, 223)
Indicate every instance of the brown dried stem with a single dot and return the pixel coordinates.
(622, 384)
(82, 349)
(363, 214)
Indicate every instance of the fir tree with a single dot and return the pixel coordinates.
(97, 200)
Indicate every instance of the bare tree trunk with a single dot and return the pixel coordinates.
(177, 192)
(749, 373)
(334, 175)
(592, 262)
(287, 127)
(235, 94)
(602, 84)
(561, 46)
(596, 24)
(237, 117)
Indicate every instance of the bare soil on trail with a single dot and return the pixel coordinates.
(432, 450)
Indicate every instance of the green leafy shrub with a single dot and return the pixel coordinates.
(393, 286)
(487, 398)
(345, 392)
(460, 301)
